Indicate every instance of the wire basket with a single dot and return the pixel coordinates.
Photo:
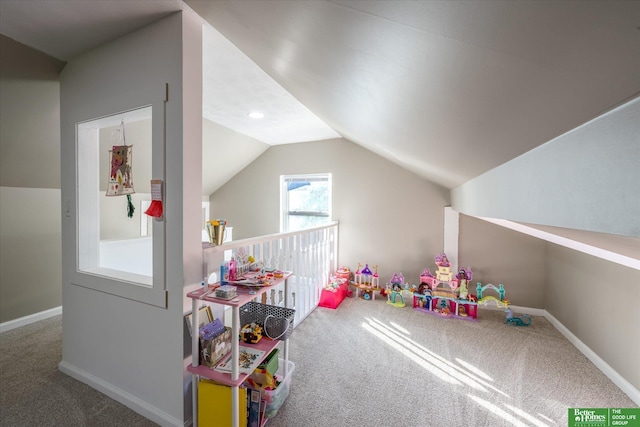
(276, 322)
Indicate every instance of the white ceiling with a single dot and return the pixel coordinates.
(447, 89)
(234, 86)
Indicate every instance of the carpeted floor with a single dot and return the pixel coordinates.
(371, 364)
(365, 364)
(34, 393)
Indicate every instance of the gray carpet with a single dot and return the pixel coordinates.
(371, 364)
(365, 364)
(34, 393)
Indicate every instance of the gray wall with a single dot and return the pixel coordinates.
(30, 262)
(388, 216)
(587, 179)
(597, 301)
(498, 255)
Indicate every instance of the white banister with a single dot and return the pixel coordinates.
(311, 254)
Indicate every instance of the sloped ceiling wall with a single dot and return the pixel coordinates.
(587, 179)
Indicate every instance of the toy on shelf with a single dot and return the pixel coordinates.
(445, 295)
(366, 282)
(251, 333)
(394, 290)
(261, 379)
(520, 320)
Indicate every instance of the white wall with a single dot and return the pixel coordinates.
(225, 153)
(132, 255)
(586, 179)
(133, 351)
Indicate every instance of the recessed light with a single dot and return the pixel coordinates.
(256, 115)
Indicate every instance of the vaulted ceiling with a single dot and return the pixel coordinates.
(447, 89)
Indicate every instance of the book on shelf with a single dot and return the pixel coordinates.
(253, 406)
(214, 404)
(211, 330)
(263, 405)
(248, 361)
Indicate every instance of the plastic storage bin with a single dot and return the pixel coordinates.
(275, 398)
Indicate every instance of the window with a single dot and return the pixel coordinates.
(305, 201)
(116, 253)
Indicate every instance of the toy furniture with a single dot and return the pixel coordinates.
(367, 282)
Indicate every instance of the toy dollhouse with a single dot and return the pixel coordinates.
(448, 296)
(444, 294)
(366, 282)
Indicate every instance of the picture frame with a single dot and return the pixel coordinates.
(205, 316)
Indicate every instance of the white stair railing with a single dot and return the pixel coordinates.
(311, 254)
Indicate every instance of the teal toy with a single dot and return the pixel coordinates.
(520, 320)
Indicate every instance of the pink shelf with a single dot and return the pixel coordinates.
(265, 345)
(244, 295)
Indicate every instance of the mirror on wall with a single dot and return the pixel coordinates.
(114, 169)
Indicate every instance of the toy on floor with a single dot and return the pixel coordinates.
(394, 290)
(422, 297)
(338, 288)
(500, 302)
(520, 320)
(445, 295)
(366, 282)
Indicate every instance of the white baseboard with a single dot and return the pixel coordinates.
(27, 320)
(612, 374)
(516, 309)
(130, 401)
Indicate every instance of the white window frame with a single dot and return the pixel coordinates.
(87, 272)
(284, 197)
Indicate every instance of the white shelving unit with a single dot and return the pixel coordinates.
(234, 379)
